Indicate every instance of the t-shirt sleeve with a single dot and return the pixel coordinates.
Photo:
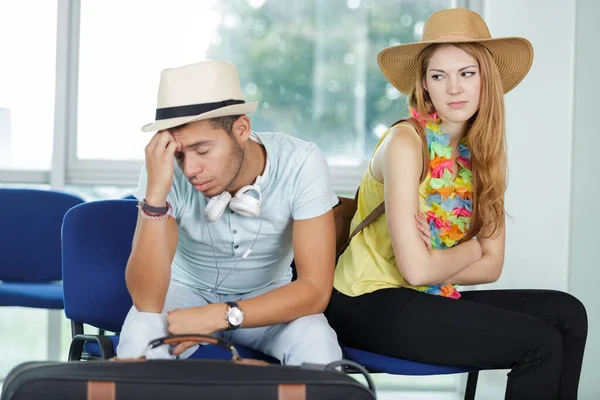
(313, 193)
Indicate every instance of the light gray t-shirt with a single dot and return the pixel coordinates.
(297, 186)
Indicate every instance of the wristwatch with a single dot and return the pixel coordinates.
(234, 315)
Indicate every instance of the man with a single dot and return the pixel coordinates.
(223, 212)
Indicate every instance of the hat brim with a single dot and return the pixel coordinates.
(513, 56)
(236, 109)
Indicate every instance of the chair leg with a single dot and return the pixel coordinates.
(471, 385)
(105, 344)
(76, 329)
(76, 348)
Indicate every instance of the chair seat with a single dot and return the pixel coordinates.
(204, 352)
(390, 365)
(35, 295)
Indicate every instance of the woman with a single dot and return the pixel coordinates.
(395, 288)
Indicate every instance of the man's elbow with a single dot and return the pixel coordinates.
(319, 300)
(143, 300)
(324, 301)
(146, 302)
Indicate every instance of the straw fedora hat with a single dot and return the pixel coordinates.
(195, 92)
(513, 55)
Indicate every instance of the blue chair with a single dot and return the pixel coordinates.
(30, 256)
(96, 244)
(379, 363)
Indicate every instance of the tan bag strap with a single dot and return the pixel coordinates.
(101, 390)
(291, 392)
(380, 209)
(194, 337)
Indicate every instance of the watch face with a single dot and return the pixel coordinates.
(235, 316)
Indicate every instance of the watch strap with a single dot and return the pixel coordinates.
(153, 209)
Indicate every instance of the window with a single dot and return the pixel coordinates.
(311, 64)
(98, 192)
(119, 68)
(27, 83)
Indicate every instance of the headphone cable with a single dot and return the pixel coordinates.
(246, 254)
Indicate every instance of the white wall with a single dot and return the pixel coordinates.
(584, 271)
(551, 133)
(5, 122)
(539, 136)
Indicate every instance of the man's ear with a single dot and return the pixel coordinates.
(241, 128)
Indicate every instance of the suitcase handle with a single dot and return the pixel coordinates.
(176, 339)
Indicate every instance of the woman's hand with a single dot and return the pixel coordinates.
(423, 227)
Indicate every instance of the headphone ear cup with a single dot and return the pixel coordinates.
(245, 205)
(216, 206)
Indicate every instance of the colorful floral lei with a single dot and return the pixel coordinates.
(449, 201)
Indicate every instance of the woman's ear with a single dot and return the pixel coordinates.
(425, 85)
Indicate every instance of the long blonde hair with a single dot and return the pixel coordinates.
(485, 136)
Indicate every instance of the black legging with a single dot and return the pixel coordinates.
(539, 334)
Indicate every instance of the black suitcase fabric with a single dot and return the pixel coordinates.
(177, 380)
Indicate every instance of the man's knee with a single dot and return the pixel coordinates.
(313, 340)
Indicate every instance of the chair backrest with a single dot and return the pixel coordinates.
(96, 245)
(30, 233)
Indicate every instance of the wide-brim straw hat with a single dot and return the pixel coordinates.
(513, 55)
(196, 92)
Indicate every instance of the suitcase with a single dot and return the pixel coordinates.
(129, 379)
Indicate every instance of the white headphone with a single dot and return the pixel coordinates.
(242, 203)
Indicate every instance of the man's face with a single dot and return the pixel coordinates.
(210, 158)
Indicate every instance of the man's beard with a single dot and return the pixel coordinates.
(236, 162)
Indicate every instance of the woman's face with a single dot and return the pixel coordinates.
(453, 82)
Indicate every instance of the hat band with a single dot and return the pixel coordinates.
(193, 109)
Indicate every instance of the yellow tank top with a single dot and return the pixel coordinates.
(369, 264)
